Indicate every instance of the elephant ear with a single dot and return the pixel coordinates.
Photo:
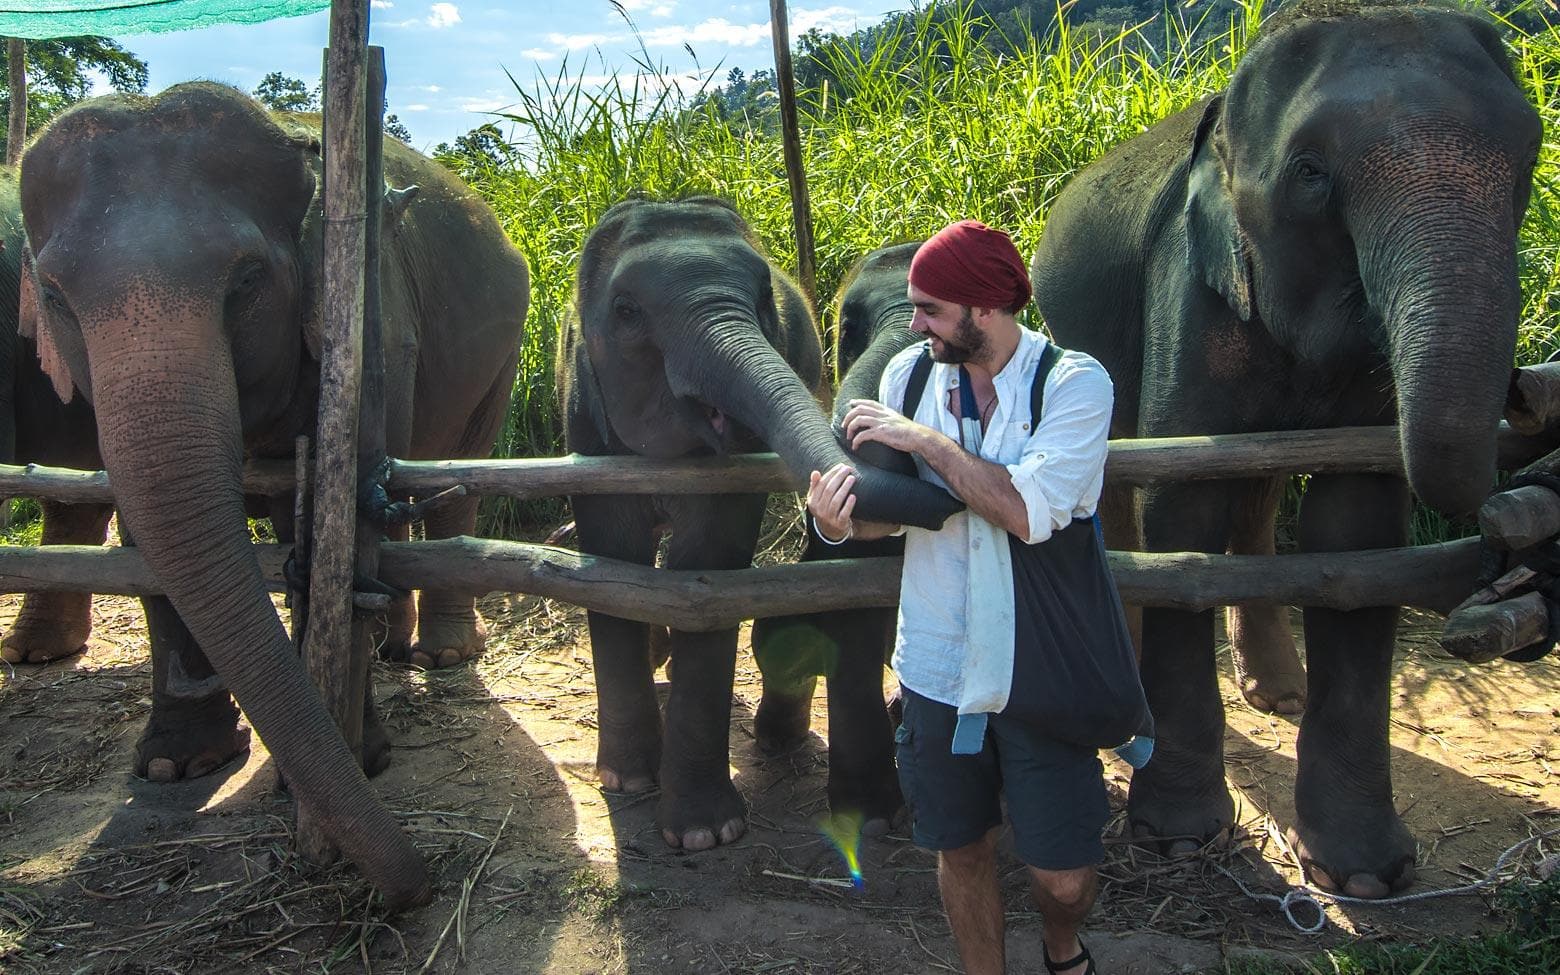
(1215, 246)
(30, 326)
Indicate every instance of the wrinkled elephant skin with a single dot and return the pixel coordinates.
(176, 251)
(36, 428)
(847, 647)
(1329, 242)
(683, 340)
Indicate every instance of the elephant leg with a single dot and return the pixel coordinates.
(862, 776)
(448, 631)
(1179, 798)
(52, 625)
(628, 719)
(194, 728)
(1347, 832)
(700, 807)
(1120, 523)
(1267, 666)
(393, 630)
(791, 651)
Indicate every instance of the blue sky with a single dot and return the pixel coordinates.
(446, 61)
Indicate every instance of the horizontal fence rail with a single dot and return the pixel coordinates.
(1138, 462)
(1434, 577)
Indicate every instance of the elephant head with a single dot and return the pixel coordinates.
(874, 315)
(696, 344)
(1358, 187)
(170, 284)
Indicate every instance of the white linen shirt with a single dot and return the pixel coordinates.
(1058, 470)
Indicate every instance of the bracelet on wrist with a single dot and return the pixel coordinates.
(850, 530)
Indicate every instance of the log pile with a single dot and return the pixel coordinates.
(1510, 617)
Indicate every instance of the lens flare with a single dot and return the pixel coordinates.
(844, 831)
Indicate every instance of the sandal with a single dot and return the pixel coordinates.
(1061, 966)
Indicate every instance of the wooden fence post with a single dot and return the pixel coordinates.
(16, 134)
(801, 206)
(328, 642)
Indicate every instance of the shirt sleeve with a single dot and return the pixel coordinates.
(1062, 467)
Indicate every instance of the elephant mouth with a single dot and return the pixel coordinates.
(716, 429)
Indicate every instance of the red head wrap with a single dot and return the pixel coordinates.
(969, 263)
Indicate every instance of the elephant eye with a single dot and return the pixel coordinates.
(244, 287)
(624, 309)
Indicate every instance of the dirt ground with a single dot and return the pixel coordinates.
(539, 872)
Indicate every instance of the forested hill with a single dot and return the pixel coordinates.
(747, 98)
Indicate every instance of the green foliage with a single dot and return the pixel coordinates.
(25, 526)
(281, 93)
(922, 119)
(60, 73)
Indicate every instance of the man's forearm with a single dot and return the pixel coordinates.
(987, 488)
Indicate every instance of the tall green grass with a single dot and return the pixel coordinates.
(936, 126)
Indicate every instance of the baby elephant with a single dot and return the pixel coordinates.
(684, 340)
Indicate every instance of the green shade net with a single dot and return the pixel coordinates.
(40, 19)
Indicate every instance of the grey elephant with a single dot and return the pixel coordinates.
(1331, 241)
(36, 428)
(176, 247)
(684, 340)
(848, 647)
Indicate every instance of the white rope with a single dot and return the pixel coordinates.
(1307, 894)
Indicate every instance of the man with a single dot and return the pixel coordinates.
(970, 430)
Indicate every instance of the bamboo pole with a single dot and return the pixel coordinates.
(791, 139)
(16, 132)
(1434, 577)
(327, 644)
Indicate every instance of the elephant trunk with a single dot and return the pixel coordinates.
(891, 336)
(169, 427)
(748, 379)
(1438, 260)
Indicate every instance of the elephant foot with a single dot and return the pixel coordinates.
(447, 642)
(187, 739)
(628, 762)
(1267, 666)
(50, 626)
(782, 721)
(1169, 814)
(701, 819)
(872, 793)
(1372, 857)
(1357, 867)
(393, 634)
(376, 747)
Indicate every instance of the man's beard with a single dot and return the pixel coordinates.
(967, 344)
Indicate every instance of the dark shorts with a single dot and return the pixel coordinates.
(1055, 791)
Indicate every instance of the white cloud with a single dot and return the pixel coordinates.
(575, 42)
(419, 107)
(539, 54)
(381, 4)
(837, 20)
(663, 10)
(433, 88)
(715, 31)
(443, 15)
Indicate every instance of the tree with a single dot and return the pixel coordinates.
(483, 148)
(60, 72)
(396, 128)
(283, 94)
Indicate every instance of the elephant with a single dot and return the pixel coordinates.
(36, 428)
(176, 259)
(848, 647)
(683, 339)
(1329, 241)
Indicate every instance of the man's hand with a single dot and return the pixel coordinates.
(830, 501)
(869, 421)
